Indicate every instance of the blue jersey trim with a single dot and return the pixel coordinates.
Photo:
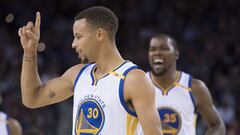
(168, 89)
(8, 129)
(79, 74)
(121, 92)
(94, 81)
(190, 81)
(179, 78)
(190, 92)
(121, 65)
(93, 77)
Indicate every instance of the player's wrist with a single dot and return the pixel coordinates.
(30, 52)
(29, 55)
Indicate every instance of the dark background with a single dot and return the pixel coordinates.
(207, 33)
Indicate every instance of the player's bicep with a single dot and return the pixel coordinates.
(205, 104)
(142, 95)
(54, 90)
(143, 102)
(58, 89)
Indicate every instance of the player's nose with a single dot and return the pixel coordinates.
(157, 52)
(74, 45)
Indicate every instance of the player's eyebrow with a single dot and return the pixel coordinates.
(77, 34)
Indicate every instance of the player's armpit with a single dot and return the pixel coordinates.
(140, 91)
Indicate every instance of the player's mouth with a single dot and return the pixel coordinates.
(158, 61)
(80, 54)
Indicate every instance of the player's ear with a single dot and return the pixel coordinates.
(177, 54)
(100, 34)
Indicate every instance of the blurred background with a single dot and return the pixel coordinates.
(207, 33)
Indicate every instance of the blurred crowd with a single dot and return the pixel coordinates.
(207, 33)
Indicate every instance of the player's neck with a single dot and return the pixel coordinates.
(109, 59)
(167, 79)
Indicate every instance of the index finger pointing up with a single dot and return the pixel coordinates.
(38, 21)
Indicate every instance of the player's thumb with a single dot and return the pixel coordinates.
(31, 35)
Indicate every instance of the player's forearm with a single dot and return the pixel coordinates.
(153, 131)
(156, 131)
(153, 127)
(216, 130)
(30, 80)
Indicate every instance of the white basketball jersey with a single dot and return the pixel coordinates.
(176, 106)
(99, 106)
(4, 130)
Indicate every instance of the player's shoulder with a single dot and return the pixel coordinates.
(14, 124)
(12, 121)
(138, 85)
(73, 71)
(198, 85)
(200, 90)
(137, 79)
(76, 68)
(136, 75)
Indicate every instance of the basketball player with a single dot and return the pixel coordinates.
(110, 93)
(8, 125)
(179, 96)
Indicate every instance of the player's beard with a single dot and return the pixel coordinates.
(158, 72)
(84, 60)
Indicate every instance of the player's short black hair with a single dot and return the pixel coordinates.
(100, 17)
(162, 36)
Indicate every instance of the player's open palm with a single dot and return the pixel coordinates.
(30, 34)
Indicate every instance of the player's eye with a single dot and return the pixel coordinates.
(78, 37)
(152, 49)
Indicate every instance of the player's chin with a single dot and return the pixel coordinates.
(84, 61)
(158, 71)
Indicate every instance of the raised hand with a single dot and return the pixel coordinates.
(30, 34)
